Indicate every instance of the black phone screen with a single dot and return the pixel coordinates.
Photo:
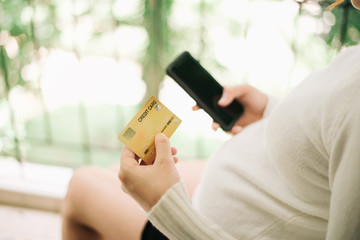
(204, 89)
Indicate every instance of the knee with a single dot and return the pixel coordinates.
(76, 191)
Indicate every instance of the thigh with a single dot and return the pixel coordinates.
(96, 200)
(99, 202)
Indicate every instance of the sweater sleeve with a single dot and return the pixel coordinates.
(344, 175)
(176, 218)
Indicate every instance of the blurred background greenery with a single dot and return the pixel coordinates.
(74, 72)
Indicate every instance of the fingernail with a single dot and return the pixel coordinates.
(237, 129)
(222, 100)
(161, 135)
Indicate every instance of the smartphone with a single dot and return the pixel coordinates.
(204, 89)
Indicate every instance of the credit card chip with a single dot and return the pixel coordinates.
(129, 134)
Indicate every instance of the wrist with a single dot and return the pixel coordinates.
(177, 189)
(154, 194)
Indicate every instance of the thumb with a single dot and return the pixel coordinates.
(163, 148)
(226, 97)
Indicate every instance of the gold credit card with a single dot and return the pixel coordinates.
(139, 134)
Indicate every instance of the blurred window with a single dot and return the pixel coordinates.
(74, 72)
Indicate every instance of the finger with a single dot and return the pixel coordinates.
(128, 156)
(240, 90)
(215, 126)
(226, 97)
(173, 151)
(163, 148)
(230, 93)
(195, 108)
(127, 163)
(236, 130)
(126, 152)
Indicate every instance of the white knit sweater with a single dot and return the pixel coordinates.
(292, 175)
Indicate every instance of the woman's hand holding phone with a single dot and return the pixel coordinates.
(204, 89)
(253, 100)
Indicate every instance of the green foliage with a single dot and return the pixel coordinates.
(156, 14)
(347, 26)
(345, 29)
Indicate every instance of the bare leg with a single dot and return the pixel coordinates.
(95, 207)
